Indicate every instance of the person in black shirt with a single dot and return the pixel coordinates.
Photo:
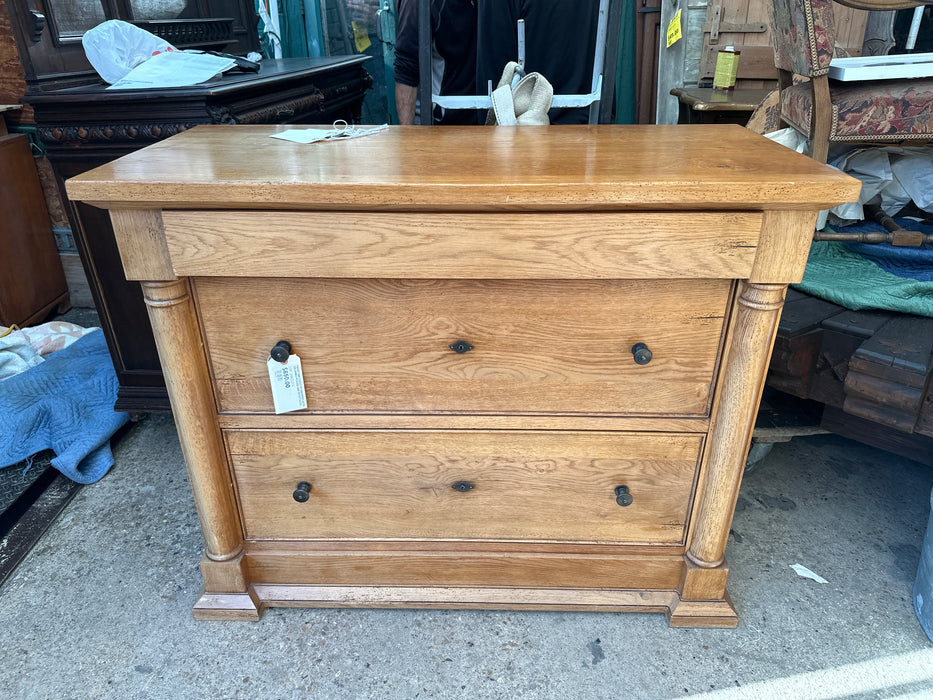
(560, 42)
(476, 38)
(453, 28)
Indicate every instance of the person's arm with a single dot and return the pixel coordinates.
(405, 98)
(406, 61)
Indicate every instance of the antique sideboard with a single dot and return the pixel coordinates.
(531, 356)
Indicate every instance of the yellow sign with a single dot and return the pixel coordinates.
(673, 30)
(361, 37)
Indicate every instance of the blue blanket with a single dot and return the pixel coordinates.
(911, 263)
(64, 404)
(838, 275)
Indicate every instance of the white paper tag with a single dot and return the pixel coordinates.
(288, 384)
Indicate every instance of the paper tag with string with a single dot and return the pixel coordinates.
(341, 131)
(288, 385)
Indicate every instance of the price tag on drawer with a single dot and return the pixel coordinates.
(288, 384)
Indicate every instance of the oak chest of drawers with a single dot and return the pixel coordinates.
(532, 357)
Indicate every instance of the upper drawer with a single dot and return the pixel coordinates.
(462, 245)
(537, 346)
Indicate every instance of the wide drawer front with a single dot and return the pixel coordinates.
(563, 486)
(463, 245)
(532, 346)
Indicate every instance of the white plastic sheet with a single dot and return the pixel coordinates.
(132, 58)
(115, 48)
(175, 69)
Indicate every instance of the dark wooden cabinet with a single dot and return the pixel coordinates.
(86, 125)
(31, 279)
(48, 34)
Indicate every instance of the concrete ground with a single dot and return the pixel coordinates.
(101, 608)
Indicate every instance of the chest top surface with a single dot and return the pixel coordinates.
(455, 168)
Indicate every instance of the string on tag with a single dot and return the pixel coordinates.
(342, 130)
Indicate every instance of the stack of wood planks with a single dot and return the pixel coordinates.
(871, 369)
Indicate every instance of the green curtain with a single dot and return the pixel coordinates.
(300, 24)
(625, 66)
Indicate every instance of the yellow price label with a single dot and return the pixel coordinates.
(361, 37)
(674, 32)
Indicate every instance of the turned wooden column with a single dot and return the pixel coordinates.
(181, 352)
(757, 310)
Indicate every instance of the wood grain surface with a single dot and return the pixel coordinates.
(32, 282)
(473, 246)
(174, 320)
(745, 364)
(539, 346)
(306, 420)
(515, 569)
(141, 240)
(524, 485)
(407, 168)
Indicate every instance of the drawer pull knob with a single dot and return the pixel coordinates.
(460, 347)
(641, 353)
(623, 497)
(281, 351)
(302, 492)
(463, 486)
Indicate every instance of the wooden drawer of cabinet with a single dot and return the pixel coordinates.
(463, 245)
(474, 485)
(532, 346)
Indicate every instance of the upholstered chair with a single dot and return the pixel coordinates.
(830, 111)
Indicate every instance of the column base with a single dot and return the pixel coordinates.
(243, 607)
(703, 613)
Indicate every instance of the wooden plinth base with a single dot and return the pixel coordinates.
(702, 613)
(249, 606)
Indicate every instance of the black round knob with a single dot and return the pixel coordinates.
(462, 486)
(623, 497)
(302, 492)
(281, 351)
(641, 353)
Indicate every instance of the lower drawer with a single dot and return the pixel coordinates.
(470, 485)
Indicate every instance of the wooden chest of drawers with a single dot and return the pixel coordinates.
(532, 357)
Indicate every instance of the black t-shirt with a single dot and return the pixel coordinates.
(453, 28)
(560, 43)
(476, 38)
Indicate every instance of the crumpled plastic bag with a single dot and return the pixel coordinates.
(789, 137)
(115, 48)
(891, 176)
